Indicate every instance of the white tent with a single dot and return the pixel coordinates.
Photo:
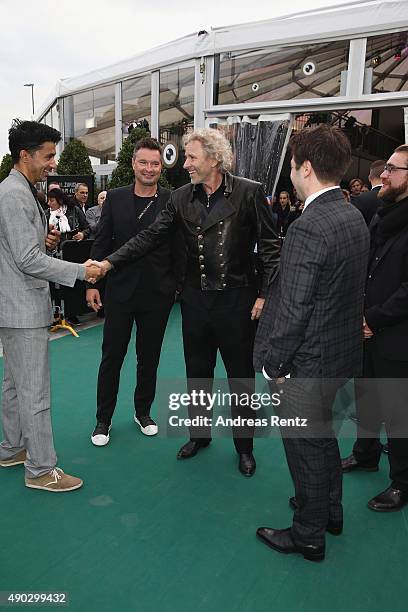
(351, 21)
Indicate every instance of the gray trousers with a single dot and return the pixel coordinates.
(26, 416)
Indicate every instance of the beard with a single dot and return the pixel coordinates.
(390, 194)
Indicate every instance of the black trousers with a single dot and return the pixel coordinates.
(212, 321)
(313, 456)
(151, 316)
(382, 401)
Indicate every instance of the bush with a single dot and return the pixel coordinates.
(5, 166)
(75, 159)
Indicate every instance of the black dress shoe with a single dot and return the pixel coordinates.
(389, 500)
(191, 448)
(333, 527)
(350, 463)
(281, 540)
(247, 464)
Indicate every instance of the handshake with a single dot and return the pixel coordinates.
(95, 270)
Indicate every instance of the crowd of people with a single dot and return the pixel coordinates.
(324, 301)
(286, 208)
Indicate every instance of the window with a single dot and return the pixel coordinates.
(283, 73)
(94, 121)
(136, 102)
(176, 117)
(387, 63)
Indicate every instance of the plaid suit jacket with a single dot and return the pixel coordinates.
(311, 324)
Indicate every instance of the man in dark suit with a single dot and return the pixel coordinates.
(386, 341)
(219, 218)
(142, 292)
(311, 329)
(367, 203)
(80, 197)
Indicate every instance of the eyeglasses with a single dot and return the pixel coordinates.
(390, 168)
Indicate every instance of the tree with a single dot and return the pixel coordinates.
(5, 166)
(74, 159)
(123, 173)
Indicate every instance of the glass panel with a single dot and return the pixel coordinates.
(283, 73)
(387, 56)
(94, 121)
(136, 102)
(176, 118)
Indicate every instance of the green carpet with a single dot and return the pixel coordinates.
(149, 533)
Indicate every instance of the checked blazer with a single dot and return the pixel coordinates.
(311, 324)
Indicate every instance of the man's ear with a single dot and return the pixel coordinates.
(307, 168)
(24, 156)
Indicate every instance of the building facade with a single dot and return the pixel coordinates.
(346, 64)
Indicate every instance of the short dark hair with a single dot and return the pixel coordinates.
(377, 168)
(147, 143)
(29, 136)
(326, 147)
(59, 195)
(402, 149)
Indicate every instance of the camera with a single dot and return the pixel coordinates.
(309, 68)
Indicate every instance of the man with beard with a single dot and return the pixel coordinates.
(386, 340)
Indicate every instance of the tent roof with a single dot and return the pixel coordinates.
(352, 20)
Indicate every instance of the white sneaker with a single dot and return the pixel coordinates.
(100, 435)
(147, 426)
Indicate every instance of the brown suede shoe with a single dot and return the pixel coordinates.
(56, 481)
(16, 460)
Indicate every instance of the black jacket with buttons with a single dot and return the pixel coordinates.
(220, 242)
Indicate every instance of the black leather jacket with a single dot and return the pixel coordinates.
(222, 241)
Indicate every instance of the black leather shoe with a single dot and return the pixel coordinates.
(281, 540)
(333, 527)
(350, 463)
(247, 464)
(390, 500)
(191, 449)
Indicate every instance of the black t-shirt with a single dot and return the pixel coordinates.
(210, 201)
(145, 209)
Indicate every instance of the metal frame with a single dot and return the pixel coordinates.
(155, 104)
(118, 118)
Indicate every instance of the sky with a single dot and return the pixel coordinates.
(43, 42)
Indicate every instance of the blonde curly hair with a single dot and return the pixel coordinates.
(214, 144)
